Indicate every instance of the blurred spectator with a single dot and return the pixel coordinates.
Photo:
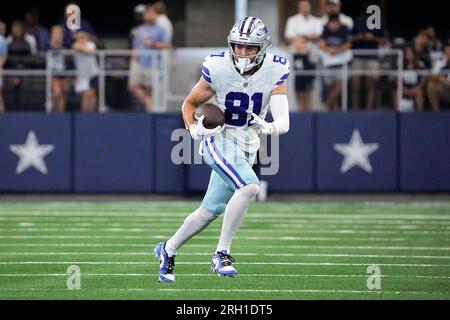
(422, 45)
(138, 20)
(143, 65)
(335, 43)
(366, 39)
(438, 88)
(21, 47)
(334, 7)
(3, 55)
(19, 41)
(87, 70)
(303, 31)
(413, 81)
(162, 20)
(60, 82)
(434, 44)
(34, 28)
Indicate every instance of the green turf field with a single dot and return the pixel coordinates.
(283, 251)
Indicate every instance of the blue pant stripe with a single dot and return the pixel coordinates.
(219, 167)
(226, 163)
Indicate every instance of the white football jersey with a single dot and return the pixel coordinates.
(239, 97)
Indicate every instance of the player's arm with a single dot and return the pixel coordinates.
(279, 107)
(200, 94)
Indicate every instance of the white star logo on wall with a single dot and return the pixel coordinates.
(31, 154)
(356, 153)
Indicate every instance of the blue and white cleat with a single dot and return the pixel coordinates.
(222, 264)
(166, 263)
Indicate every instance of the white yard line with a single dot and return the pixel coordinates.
(260, 263)
(194, 245)
(237, 254)
(162, 237)
(152, 290)
(249, 220)
(177, 215)
(265, 275)
(10, 225)
(271, 230)
(298, 291)
(154, 203)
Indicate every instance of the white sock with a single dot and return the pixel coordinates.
(193, 224)
(234, 214)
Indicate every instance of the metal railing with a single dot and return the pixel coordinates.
(160, 74)
(161, 89)
(345, 72)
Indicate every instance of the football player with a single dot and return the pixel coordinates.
(244, 82)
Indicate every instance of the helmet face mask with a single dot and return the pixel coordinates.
(249, 32)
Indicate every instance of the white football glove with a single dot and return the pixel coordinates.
(199, 132)
(264, 126)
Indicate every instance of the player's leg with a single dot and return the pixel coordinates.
(214, 202)
(236, 170)
(237, 207)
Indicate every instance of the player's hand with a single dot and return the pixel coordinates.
(265, 127)
(199, 132)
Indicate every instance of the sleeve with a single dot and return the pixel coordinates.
(208, 71)
(279, 108)
(283, 71)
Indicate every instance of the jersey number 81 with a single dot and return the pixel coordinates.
(237, 105)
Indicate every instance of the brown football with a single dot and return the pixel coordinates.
(214, 116)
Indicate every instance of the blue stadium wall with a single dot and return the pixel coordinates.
(131, 153)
